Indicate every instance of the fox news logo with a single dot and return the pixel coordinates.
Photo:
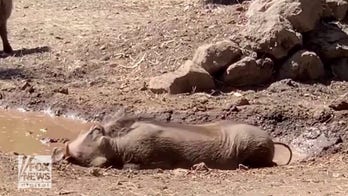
(34, 171)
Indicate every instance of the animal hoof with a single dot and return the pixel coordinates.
(8, 50)
(200, 167)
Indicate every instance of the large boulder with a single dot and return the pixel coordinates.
(339, 68)
(270, 34)
(248, 71)
(329, 41)
(302, 14)
(337, 8)
(187, 78)
(303, 65)
(216, 57)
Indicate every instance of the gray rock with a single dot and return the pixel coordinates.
(189, 77)
(329, 41)
(248, 71)
(338, 8)
(314, 141)
(218, 56)
(270, 34)
(303, 65)
(302, 14)
(339, 68)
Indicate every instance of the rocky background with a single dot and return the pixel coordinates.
(302, 40)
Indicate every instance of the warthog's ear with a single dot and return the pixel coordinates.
(57, 154)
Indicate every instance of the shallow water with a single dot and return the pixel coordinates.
(34, 132)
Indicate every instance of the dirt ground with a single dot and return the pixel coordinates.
(324, 176)
(90, 59)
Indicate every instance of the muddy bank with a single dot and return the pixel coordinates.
(295, 113)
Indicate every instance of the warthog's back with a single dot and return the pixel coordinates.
(179, 131)
(220, 145)
(5, 9)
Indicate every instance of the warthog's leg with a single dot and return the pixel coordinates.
(3, 34)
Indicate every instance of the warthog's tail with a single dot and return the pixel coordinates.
(286, 146)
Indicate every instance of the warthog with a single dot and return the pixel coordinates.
(5, 12)
(152, 144)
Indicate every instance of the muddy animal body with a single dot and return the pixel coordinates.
(5, 12)
(147, 145)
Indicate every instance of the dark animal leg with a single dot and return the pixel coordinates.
(5, 42)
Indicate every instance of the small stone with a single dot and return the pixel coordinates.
(61, 90)
(242, 101)
(337, 175)
(323, 114)
(103, 47)
(340, 103)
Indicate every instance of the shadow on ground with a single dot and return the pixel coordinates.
(25, 51)
(11, 73)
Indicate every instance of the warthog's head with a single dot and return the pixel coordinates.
(88, 149)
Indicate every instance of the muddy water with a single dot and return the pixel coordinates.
(35, 133)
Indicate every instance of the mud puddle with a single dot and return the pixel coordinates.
(34, 132)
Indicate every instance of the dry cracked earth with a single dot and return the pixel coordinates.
(91, 58)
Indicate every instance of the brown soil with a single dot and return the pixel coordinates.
(90, 59)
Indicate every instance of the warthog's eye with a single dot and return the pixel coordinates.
(96, 131)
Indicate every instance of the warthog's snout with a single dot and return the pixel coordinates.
(87, 150)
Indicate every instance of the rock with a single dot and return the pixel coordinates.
(302, 14)
(248, 71)
(270, 34)
(216, 57)
(340, 103)
(189, 77)
(323, 114)
(338, 8)
(314, 141)
(62, 90)
(242, 101)
(303, 65)
(339, 68)
(329, 41)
